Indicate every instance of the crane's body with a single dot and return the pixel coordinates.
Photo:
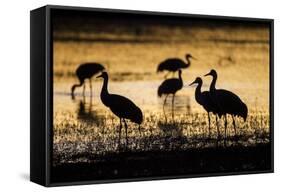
(120, 106)
(227, 102)
(174, 64)
(86, 71)
(117, 103)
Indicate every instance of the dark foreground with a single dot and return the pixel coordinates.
(132, 165)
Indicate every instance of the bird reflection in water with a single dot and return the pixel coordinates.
(86, 114)
(172, 129)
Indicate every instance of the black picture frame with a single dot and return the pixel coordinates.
(41, 92)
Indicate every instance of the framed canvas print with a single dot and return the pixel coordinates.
(121, 95)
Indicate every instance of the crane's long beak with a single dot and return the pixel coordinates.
(207, 74)
(192, 83)
(193, 58)
(99, 76)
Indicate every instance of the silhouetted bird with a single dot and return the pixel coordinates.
(86, 71)
(170, 86)
(174, 64)
(121, 106)
(227, 102)
(205, 100)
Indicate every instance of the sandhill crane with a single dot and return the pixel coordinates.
(170, 86)
(205, 100)
(86, 71)
(174, 64)
(227, 102)
(120, 106)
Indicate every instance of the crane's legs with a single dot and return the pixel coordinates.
(173, 101)
(84, 90)
(218, 129)
(84, 100)
(91, 101)
(233, 120)
(225, 125)
(140, 130)
(126, 130)
(72, 95)
(209, 120)
(120, 128)
(90, 87)
(165, 100)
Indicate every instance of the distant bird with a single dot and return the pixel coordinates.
(227, 60)
(174, 64)
(86, 71)
(170, 86)
(205, 100)
(120, 106)
(227, 102)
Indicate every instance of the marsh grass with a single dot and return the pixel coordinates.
(81, 141)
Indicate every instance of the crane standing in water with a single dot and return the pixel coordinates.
(174, 64)
(205, 100)
(227, 102)
(120, 106)
(170, 86)
(86, 71)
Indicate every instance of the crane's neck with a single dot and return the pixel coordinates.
(104, 92)
(213, 83)
(74, 87)
(198, 93)
(188, 62)
(180, 78)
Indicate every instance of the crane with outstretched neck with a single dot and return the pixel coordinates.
(120, 106)
(227, 102)
(174, 64)
(205, 100)
(86, 71)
